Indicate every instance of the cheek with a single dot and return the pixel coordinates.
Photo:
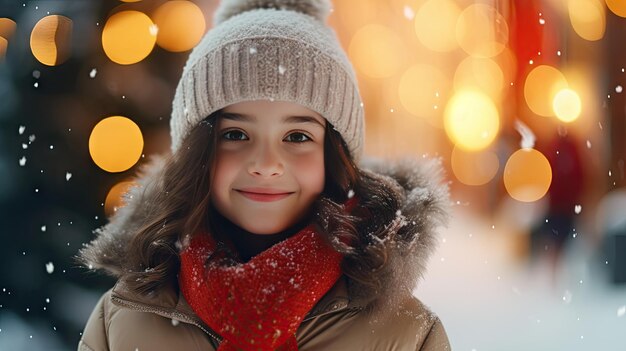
(224, 172)
(311, 173)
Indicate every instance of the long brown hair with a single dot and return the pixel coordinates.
(182, 205)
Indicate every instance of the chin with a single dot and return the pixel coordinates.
(260, 229)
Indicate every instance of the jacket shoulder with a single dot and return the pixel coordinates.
(94, 337)
(432, 334)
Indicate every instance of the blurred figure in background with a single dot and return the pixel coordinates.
(551, 234)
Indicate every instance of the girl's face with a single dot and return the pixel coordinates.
(269, 164)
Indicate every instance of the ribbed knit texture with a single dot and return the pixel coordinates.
(270, 54)
(258, 305)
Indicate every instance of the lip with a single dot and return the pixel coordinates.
(263, 194)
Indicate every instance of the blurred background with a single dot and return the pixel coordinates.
(522, 100)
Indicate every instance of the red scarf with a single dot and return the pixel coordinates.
(258, 305)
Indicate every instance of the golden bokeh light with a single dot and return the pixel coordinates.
(115, 197)
(115, 144)
(567, 105)
(3, 47)
(181, 25)
(130, 0)
(422, 90)
(527, 175)
(7, 28)
(128, 37)
(377, 51)
(481, 74)
(471, 120)
(507, 61)
(50, 40)
(618, 7)
(541, 86)
(482, 31)
(588, 18)
(474, 168)
(354, 14)
(435, 24)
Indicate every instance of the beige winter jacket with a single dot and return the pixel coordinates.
(348, 317)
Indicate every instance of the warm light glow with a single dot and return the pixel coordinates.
(479, 74)
(128, 37)
(471, 120)
(377, 51)
(435, 24)
(567, 105)
(588, 18)
(354, 14)
(181, 25)
(3, 47)
(130, 0)
(527, 175)
(474, 168)
(482, 31)
(50, 40)
(541, 86)
(115, 144)
(618, 7)
(422, 92)
(7, 28)
(508, 65)
(115, 197)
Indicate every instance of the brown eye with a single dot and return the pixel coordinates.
(233, 135)
(297, 138)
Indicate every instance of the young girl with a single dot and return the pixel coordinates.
(264, 229)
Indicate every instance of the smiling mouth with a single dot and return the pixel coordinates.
(261, 197)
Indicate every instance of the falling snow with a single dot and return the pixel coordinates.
(281, 69)
(528, 137)
(49, 267)
(92, 73)
(23, 161)
(577, 209)
(252, 51)
(618, 89)
(154, 30)
(409, 13)
(588, 144)
(621, 311)
(43, 228)
(22, 129)
(68, 175)
(567, 297)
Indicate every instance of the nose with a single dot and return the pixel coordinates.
(266, 162)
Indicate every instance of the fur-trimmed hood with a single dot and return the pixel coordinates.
(417, 185)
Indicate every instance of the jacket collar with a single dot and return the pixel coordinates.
(169, 303)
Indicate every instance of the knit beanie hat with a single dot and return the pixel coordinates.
(277, 50)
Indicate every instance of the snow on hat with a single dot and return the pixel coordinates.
(270, 50)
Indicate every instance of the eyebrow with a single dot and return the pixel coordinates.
(288, 119)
